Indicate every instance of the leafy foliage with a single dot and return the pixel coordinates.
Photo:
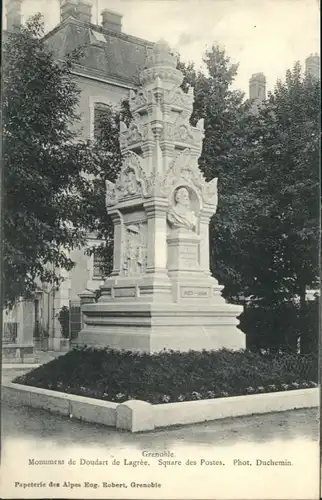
(227, 143)
(281, 249)
(171, 376)
(63, 318)
(107, 164)
(43, 162)
(288, 159)
(280, 326)
(264, 237)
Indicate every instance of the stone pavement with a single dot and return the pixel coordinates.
(31, 423)
(42, 357)
(12, 370)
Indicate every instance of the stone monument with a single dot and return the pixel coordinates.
(161, 293)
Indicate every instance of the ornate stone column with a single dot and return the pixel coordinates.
(204, 222)
(161, 293)
(156, 211)
(117, 220)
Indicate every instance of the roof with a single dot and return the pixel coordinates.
(106, 53)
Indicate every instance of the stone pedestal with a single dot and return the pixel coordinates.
(183, 248)
(161, 294)
(151, 328)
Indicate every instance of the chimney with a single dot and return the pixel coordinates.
(257, 87)
(13, 14)
(111, 20)
(84, 11)
(68, 8)
(312, 66)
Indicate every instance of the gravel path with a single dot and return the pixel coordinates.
(31, 422)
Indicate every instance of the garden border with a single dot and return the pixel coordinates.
(138, 416)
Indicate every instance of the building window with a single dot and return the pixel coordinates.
(98, 265)
(97, 36)
(101, 113)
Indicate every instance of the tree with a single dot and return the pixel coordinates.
(43, 162)
(228, 143)
(108, 159)
(265, 235)
(284, 175)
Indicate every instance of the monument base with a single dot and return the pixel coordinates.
(153, 327)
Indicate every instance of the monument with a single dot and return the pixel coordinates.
(161, 294)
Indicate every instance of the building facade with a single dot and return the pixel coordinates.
(107, 71)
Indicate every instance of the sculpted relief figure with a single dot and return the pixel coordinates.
(181, 215)
(135, 251)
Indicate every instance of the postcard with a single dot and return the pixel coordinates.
(161, 250)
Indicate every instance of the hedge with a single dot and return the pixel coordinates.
(172, 376)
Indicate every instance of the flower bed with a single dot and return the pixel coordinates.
(170, 376)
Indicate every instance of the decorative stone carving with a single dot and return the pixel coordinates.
(180, 214)
(183, 132)
(161, 206)
(135, 250)
(201, 124)
(184, 169)
(176, 97)
(123, 127)
(110, 197)
(130, 182)
(123, 136)
(139, 99)
(210, 193)
(134, 134)
(161, 64)
(147, 133)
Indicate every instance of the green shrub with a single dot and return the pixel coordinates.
(63, 318)
(172, 376)
(279, 327)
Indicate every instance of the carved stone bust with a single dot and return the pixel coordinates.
(180, 214)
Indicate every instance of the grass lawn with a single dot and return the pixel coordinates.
(172, 376)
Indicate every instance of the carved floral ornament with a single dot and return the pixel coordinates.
(183, 170)
(177, 97)
(150, 75)
(141, 99)
(130, 182)
(134, 134)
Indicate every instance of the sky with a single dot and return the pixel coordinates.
(261, 35)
